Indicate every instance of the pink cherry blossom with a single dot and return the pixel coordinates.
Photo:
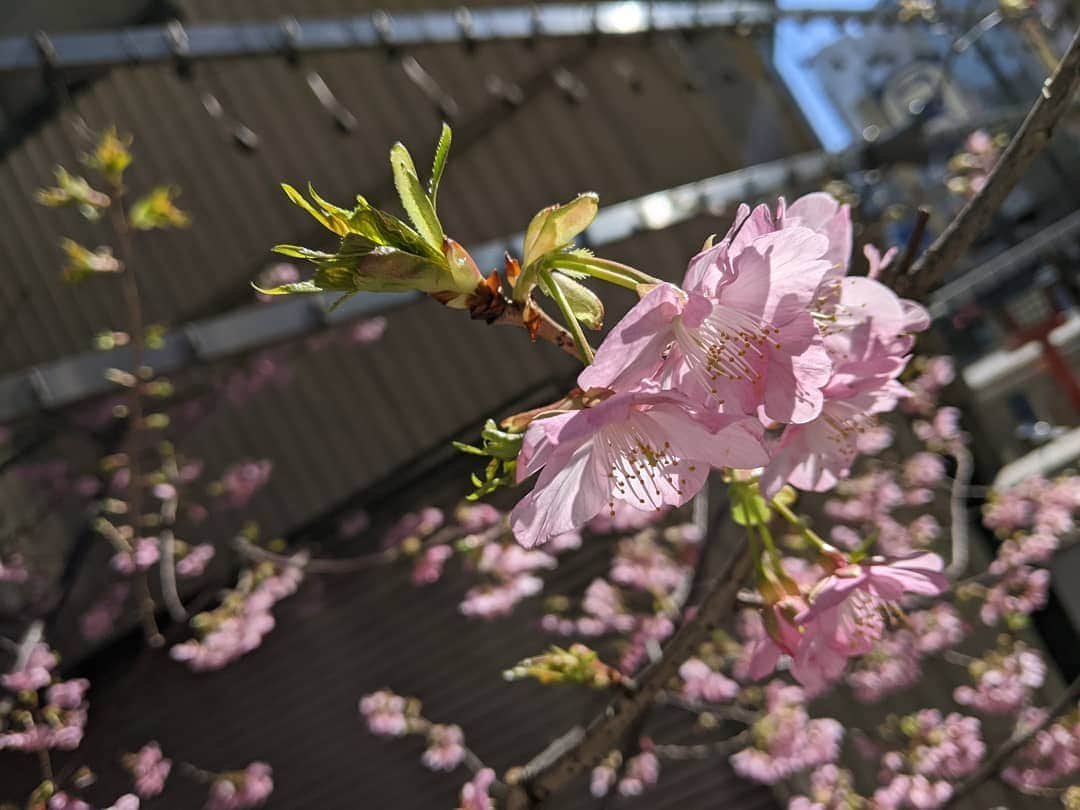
(1003, 681)
(239, 791)
(446, 748)
(786, 739)
(67, 694)
(474, 795)
(194, 562)
(831, 788)
(385, 713)
(602, 780)
(1051, 758)
(868, 338)
(641, 771)
(702, 683)
(886, 580)
(34, 673)
(741, 336)
(429, 565)
(129, 801)
(149, 768)
(650, 449)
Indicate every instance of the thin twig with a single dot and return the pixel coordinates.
(1000, 758)
(363, 562)
(167, 568)
(1030, 139)
(727, 712)
(137, 329)
(705, 750)
(958, 514)
(911, 250)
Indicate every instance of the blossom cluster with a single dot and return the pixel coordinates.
(768, 330)
(149, 769)
(390, 715)
(239, 790)
(642, 595)
(1053, 755)
(843, 617)
(1004, 679)
(239, 624)
(45, 712)
(831, 788)
(786, 739)
(507, 573)
(630, 777)
(938, 751)
(895, 662)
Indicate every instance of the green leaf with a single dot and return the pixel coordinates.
(556, 226)
(413, 197)
(308, 286)
(298, 252)
(298, 199)
(338, 216)
(751, 510)
(442, 150)
(158, 210)
(584, 303)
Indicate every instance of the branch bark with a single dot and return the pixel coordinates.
(547, 774)
(1000, 758)
(543, 327)
(1030, 139)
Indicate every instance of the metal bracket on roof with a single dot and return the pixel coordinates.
(383, 24)
(50, 59)
(536, 25)
(465, 23)
(593, 34)
(290, 34)
(180, 46)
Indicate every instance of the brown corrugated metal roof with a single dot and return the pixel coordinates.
(506, 164)
(353, 414)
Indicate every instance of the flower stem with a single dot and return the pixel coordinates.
(800, 524)
(612, 272)
(568, 315)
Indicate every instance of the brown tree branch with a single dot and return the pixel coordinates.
(705, 750)
(540, 325)
(1030, 139)
(1000, 758)
(958, 514)
(582, 750)
(137, 429)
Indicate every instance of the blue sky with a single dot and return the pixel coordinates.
(794, 43)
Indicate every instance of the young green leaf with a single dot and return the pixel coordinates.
(442, 150)
(413, 197)
(556, 226)
(584, 303)
(298, 199)
(751, 510)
